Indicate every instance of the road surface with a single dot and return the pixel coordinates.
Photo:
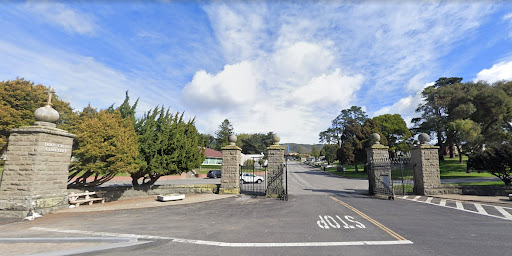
(325, 215)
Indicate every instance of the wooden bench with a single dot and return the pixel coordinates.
(85, 197)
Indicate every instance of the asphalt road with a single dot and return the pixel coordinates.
(325, 215)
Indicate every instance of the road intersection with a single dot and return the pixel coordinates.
(325, 215)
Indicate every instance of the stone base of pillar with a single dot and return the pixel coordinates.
(36, 171)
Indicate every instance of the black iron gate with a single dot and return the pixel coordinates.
(402, 175)
(253, 181)
(278, 183)
(383, 185)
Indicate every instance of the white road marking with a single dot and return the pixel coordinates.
(502, 211)
(480, 209)
(459, 205)
(416, 198)
(429, 199)
(507, 215)
(225, 244)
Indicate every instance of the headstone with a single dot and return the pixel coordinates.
(36, 170)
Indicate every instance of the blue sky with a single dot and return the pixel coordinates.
(276, 66)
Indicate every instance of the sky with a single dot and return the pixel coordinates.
(288, 67)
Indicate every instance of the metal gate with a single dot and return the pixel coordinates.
(381, 168)
(253, 181)
(278, 183)
(402, 175)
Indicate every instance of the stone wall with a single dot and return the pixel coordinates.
(123, 192)
(477, 190)
(36, 171)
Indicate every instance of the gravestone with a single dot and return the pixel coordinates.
(36, 170)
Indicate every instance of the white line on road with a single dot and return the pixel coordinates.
(416, 198)
(443, 204)
(502, 211)
(459, 205)
(224, 244)
(429, 199)
(480, 209)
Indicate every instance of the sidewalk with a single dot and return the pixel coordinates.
(76, 245)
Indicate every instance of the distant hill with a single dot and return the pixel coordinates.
(304, 148)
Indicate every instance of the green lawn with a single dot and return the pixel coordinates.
(1, 170)
(450, 168)
(485, 183)
(350, 172)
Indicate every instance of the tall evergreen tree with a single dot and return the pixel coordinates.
(168, 145)
(222, 134)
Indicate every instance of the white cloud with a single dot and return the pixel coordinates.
(62, 15)
(406, 106)
(78, 79)
(499, 71)
(327, 90)
(235, 86)
(294, 86)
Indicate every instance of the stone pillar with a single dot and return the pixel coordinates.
(36, 171)
(275, 169)
(377, 158)
(425, 163)
(231, 157)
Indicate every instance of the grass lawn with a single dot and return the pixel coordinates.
(450, 168)
(350, 172)
(1, 170)
(485, 183)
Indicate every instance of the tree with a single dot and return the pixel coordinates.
(168, 146)
(353, 150)
(395, 130)
(336, 133)
(495, 159)
(207, 140)
(107, 145)
(434, 112)
(314, 151)
(254, 143)
(329, 152)
(222, 134)
(18, 100)
(465, 133)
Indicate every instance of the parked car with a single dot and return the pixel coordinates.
(214, 174)
(249, 177)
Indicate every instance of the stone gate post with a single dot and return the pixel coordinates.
(425, 162)
(36, 171)
(377, 153)
(275, 176)
(231, 157)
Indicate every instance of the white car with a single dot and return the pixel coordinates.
(249, 177)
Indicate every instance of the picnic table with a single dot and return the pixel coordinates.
(88, 197)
